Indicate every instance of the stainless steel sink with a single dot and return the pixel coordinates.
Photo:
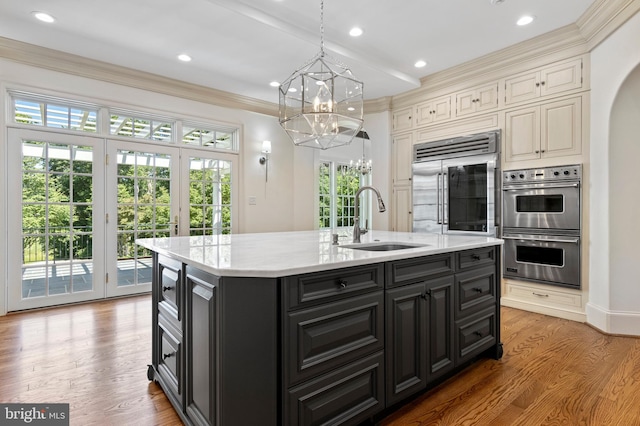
(383, 246)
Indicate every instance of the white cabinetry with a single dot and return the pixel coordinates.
(402, 119)
(433, 111)
(544, 81)
(552, 129)
(479, 99)
(402, 155)
(402, 216)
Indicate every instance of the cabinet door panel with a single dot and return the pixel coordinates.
(475, 290)
(402, 209)
(487, 98)
(324, 337)
(465, 103)
(522, 139)
(522, 88)
(403, 119)
(170, 286)
(561, 128)
(402, 158)
(561, 78)
(348, 395)
(406, 341)
(476, 334)
(170, 358)
(440, 325)
(411, 271)
(201, 358)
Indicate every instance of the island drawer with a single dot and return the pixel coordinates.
(410, 271)
(475, 290)
(474, 258)
(476, 334)
(320, 287)
(324, 337)
(170, 285)
(348, 395)
(170, 357)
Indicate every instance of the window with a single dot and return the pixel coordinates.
(337, 188)
(126, 124)
(54, 114)
(219, 138)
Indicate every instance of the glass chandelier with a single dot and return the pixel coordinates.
(321, 104)
(362, 166)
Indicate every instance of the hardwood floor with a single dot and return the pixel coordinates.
(95, 358)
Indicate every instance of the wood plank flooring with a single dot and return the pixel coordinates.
(94, 357)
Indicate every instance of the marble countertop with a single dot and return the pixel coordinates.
(279, 254)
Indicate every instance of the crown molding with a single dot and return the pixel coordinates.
(549, 47)
(55, 60)
(604, 17)
(377, 105)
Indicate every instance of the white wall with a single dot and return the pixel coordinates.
(614, 295)
(285, 202)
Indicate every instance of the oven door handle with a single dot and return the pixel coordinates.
(543, 238)
(542, 186)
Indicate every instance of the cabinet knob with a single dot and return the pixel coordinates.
(542, 151)
(537, 84)
(475, 257)
(169, 355)
(542, 83)
(343, 283)
(168, 288)
(537, 152)
(426, 294)
(477, 333)
(477, 289)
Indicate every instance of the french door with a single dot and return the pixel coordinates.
(81, 202)
(55, 213)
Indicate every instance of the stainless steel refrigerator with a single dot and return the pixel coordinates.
(456, 185)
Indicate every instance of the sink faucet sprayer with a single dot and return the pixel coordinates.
(356, 221)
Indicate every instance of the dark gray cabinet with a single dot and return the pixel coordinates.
(441, 311)
(335, 347)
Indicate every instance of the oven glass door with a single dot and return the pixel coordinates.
(548, 207)
(550, 259)
(469, 195)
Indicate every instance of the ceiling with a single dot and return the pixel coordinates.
(240, 46)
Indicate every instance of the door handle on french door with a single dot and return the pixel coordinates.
(175, 225)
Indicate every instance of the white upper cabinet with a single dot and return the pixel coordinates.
(402, 155)
(552, 129)
(475, 100)
(544, 81)
(433, 111)
(402, 119)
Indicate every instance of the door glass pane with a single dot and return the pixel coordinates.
(209, 196)
(467, 197)
(57, 220)
(144, 201)
(551, 203)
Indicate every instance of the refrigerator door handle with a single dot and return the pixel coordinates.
(445, 196)
(438, 205)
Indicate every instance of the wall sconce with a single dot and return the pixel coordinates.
(266, 150)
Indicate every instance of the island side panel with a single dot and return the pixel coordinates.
(249, 351)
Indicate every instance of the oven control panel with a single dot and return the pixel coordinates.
(545, 174)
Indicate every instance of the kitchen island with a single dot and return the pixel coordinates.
(292, 329)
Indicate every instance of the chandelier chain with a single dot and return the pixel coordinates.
(322, 27)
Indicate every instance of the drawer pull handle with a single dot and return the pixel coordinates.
(343, 283)
(477, 289)
(169, 355)
(477, 333)
(540, 294)
(475, 257)
(168, 288)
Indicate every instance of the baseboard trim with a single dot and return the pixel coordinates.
(617, 323)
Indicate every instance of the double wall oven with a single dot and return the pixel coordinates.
(454, 185)
(541, 224)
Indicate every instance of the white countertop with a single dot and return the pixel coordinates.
(279, 254)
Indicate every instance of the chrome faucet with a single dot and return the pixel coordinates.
(356, 220)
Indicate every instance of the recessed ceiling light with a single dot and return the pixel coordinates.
(274, 84)
(292, 89)
(44, 17)
(420, 64)
(356, 32)
(525, 20)
(184, 57)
